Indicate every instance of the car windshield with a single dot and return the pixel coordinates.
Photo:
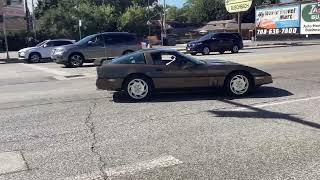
(206, 37)
(192, 59)
(42, 43)
(85, 40)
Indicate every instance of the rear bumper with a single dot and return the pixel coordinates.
(261, 80)
(109, 84)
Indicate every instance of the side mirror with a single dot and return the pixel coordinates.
(90, 43)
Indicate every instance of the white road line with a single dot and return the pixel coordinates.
(161, 162)
(165, 161)
(279, 103)
(48, 70)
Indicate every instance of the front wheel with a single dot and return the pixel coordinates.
(238, 84)
(205, 51)
(235, 49)
(138, 88)
(75, 60)
(34, 58)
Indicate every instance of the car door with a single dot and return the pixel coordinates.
(46, 49)
(112, 42)
(169, 72)
(227, 41)
(95, 48)
(215, 42)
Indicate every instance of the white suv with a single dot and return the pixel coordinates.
(42, 50)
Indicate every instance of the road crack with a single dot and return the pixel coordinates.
(91, 127)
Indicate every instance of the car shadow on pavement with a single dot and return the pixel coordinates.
(259, 113)
(83, 66)
(196, 95)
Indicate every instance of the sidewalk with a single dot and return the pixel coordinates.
(248, 44)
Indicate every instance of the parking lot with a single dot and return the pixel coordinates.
(56, 125)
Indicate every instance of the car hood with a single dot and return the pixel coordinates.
(231, 66)
(195, 41)
(220, 62)
(67, 47)
(27, 49)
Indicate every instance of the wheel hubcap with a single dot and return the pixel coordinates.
(235, 49)
(206, 50)
(239, 84)
(35, 58)
(138, 89)
(76, 60)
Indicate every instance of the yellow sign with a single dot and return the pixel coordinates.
(234, 6)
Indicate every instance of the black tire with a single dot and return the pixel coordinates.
(127, 52)
(242, 87)
(206, 50)
(34, 58)
(221, 51)
(134, 94)
(193, 54)
(235, 48)
(75, 60)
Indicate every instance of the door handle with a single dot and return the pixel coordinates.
(159, 69)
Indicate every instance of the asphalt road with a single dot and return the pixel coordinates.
(55, 125)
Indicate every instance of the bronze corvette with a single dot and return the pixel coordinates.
(141, 72)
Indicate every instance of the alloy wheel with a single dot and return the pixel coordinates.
(138, 89)
(239, 85)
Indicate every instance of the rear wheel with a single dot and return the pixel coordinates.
(238, 84)
(75, 60)
(34, 58)
(235, 49)
(138, 88)
(206, 50)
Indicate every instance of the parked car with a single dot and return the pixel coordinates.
(216, 42)
(140, 73)
(96, 48)
(42, 50)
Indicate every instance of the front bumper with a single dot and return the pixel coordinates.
(194, 49)
(261, 80)
(109, 84)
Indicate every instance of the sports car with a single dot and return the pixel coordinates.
(142, 72)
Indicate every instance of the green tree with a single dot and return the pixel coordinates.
(134, 20)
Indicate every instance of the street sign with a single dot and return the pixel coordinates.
(235, 6)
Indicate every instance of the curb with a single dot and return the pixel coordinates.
(9, 61)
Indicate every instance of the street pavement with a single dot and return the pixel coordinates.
(54, 124)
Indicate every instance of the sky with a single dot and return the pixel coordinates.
(178, 3)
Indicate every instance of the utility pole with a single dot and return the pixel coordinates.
(164, 22)
(149, 18)
(239, 22)
(34, 27)
(5, 29)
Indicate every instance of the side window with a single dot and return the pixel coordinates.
(49, 44)
(133, 58)
(61, 43)
(162, 58)
(98, 41)
(109, 39)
